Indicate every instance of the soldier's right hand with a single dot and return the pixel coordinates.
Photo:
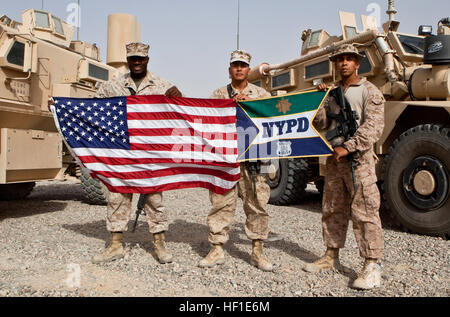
(51, 102)
(173, 92)
(322, 87)
(340, 152)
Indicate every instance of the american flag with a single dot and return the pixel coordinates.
(145, 144)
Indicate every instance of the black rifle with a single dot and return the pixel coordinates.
(254, 168)
(347, 124)
(140, 209)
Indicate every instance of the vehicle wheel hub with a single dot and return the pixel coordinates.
(425, 183)
(272, 172)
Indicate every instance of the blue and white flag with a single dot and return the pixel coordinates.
(280, 127)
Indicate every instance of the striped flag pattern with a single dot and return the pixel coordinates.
(146, 144)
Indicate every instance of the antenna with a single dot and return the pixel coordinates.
(239, 7)
(42, 8)
(78, 21)
(391, 11)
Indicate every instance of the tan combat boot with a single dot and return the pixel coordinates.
(113, 252)
(215, 256)
(370, 276)
(326, 262)
(159, 243)
(258, 258)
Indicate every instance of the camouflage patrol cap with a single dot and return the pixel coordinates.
(240, 56)
(137, 49)
(346, 49)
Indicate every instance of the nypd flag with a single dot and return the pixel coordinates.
(280, 127)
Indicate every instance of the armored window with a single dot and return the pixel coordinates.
(365, 66)
(412, 44)
(318, 69)
(98, 72)
(16, 54)
(351, 31)
(42, 19)
(281, 80)
(5, 20)
(314, 38)
(58, 25)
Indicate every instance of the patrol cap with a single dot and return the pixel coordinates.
(137, 49)
(240, 56)
(346, 49)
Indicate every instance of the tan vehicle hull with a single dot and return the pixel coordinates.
(38, 61)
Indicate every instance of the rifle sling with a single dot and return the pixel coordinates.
(230, 91)
(132, 92)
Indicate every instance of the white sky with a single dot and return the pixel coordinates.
(191, 40)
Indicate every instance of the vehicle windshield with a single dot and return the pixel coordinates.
(314, 38)
(412, 44)
(58, 25)
(42, 19)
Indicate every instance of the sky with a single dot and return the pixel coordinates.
(191, 40)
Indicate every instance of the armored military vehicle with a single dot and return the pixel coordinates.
(413, 73)
(38, 59)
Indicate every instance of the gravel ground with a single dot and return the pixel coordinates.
(49, 237)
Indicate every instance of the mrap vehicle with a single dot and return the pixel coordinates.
(38, 59)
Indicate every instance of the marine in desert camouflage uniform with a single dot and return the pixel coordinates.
(138, 81)
(340, 201)
(224, 206)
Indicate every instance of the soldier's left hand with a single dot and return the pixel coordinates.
(241, 97)
(340, 152)
(322, 87)
(173, 92)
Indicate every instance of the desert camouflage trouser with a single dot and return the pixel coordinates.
(338, 206)
(224, 207)
(119, 212)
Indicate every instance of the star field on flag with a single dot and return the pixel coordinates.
(99, 123)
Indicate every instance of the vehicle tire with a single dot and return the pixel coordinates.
(16, 191)
(94, 191)
(289, 184)
(416, 178)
